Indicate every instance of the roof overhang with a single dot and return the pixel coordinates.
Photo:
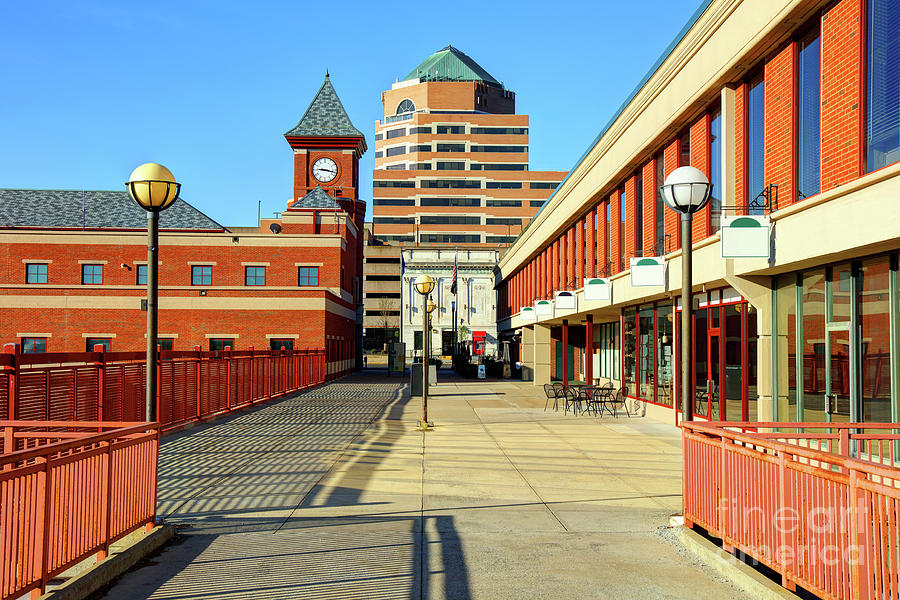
(357, 144)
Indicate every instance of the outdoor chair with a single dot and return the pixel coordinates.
(600, 397)
(619, 399)
(560, 390)
(572, 398)
(550, 392)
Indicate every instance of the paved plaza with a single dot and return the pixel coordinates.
(333, 493)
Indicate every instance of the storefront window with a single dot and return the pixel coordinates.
(664, 354)
(787, 338)
(646, 353)
(874, 317)
(752, 364)
(607, 336)
(629, 349)
(812, 394)
(733, 382)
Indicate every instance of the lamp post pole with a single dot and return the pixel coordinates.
(152, 312)
(425, 337)
(687, 306)
(686, 190)
(153, 188)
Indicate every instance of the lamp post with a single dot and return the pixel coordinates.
(686, 191)
(153, 188)
(424, 286)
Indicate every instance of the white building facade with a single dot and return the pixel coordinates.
(473, 306)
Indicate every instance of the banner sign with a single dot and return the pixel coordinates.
(597, 288)
(648, 271)
(527, 314)
(564, 300)
(543, 308)
(745, 236)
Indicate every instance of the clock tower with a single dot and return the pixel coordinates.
(327, 147)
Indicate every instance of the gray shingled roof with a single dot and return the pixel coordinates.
(93, 210)
(316, 198)
(325, 116)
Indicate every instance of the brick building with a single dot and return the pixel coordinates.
(451, 158)
(792, 109)
(74, 263)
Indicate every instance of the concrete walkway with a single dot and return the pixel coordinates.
(334, 494)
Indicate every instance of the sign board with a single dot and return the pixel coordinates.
(597, 288)
(745, 236)
(564, 300)
(396, 358)
(543, 308)
(648, 271)
(527, 314)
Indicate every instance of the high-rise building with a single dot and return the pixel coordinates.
(451, 158)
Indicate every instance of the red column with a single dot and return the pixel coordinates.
(630, 220)
(650, 187)
(615, 222)
(591, 244)
(780, 126)
(570, 257)
(565, 352)
(557, 261)
(579, 252)
(700, 227)
(602, 239)
(589, 350)
(671, 222)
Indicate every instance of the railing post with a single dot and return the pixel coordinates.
(107, 495)
(252, 376)
(44, 527)
(785, 555)
(860, 577)
(101, 376)
(228, 378)
(197, 386)
(724, 499)
(12, 387)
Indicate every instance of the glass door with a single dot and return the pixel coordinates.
(732, 388)
(840, 351)
(714, 359)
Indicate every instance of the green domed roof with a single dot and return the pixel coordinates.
(450, 64)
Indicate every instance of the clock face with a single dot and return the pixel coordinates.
(325, 169)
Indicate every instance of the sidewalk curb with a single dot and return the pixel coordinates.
(742, 575)
(104, 572)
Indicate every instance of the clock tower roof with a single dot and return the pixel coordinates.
(325, 117)
(316, 198)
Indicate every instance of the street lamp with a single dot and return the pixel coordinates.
(424, 286)
(153, 188)
(686, 190)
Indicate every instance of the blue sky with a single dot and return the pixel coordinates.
(91, 89)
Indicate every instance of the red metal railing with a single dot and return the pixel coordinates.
(819, 504)
(67, 491)
(101, 386)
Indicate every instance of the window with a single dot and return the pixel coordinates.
(378, 137)
(420, 166)
(379, 154)
(140, 275)
(659, 227)
(500, 239)
(451, 129)
(504, 185)
(451, 183)
(499, 130)
(394, 133)
(882, 84)
(307, 276)
(451, 166)
(608, 349)
(450, 147)
(254, 276)
(449, 220)
(503, 221)
(201, 275)
(621, 256)
(756, 140)
(543, 185)
(400, 167)
(395, 151)
(421, 148)
(164, 343)
(394, 202)
(91, 274)
(639, 214)
(809, 114)
(393, 220)
(89, 344)
(406, 106)
(499, 148)
(35, 273)
(394, 184)
(715, 170)
(498, 167)
(450, 201)
(34, 345)
(507, 203)
(429, 238)
(279, 343)
(415, 130)
(216, 344)
(536, 203)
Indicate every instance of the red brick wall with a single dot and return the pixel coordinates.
(602, 239)
(780, 126)
(650, 187)
(615, 221)
(557, 264)
(590, 244)
(700, 158)
(579, 251)
(571, 257)
(842, 81)
(671, 223)
(630, 219)
(740, 148)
